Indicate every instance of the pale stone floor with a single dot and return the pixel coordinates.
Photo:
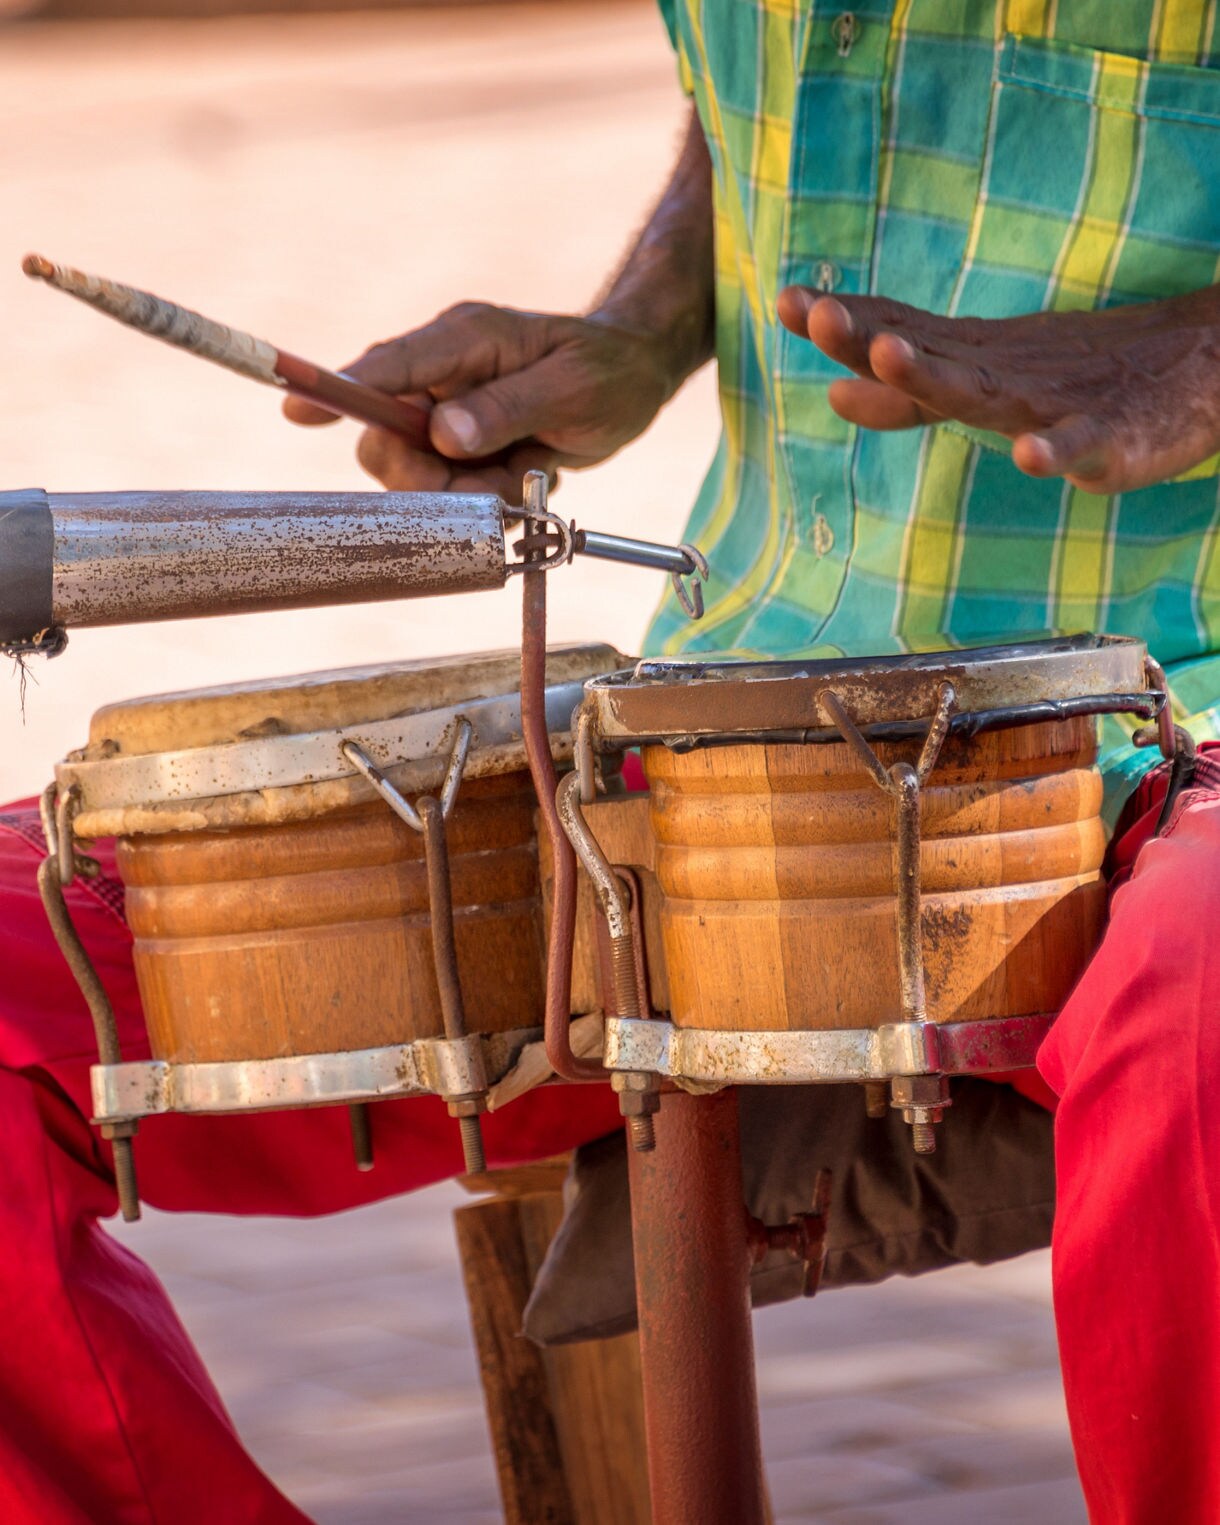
(342, 1348)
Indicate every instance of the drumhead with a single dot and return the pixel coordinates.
(701, 701)
(271, 750)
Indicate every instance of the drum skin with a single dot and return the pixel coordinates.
(313, 936)
(777, 866)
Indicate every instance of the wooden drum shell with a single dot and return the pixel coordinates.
(314, 936)
(777, 868)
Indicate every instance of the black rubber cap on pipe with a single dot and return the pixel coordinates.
(27, 559)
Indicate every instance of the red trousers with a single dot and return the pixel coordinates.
(107, 1415)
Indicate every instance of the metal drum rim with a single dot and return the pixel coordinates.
(703, 701)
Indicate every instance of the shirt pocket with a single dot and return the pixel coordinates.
(1100, 183)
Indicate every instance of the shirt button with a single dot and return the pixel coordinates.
(827, 275)
(823, 536)
(845, 30)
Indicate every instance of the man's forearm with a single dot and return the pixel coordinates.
(665, 285)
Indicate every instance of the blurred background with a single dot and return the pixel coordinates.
(326, 176)
(322, 180)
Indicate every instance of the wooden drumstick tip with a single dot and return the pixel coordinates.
(37, 267)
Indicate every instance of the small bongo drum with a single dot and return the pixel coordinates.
(283, 914)
(868, 869)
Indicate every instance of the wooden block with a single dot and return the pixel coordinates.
(566, 1424)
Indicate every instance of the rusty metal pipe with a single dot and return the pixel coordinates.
(73, 559)
(692, 1260)
(562, 932)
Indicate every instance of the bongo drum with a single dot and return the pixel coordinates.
(868, 869)
(281, 911)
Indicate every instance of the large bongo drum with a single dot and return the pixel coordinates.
(282, 916)
(868, 869)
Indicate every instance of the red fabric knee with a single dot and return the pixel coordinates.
(1133, 1058)
(106, 1412)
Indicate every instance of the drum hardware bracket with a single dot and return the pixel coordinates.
(56, 871)
(638, 1091)
(564, 541)
(812, 1056)
(922, 1100)
(454, 1067)
(803, 1236)
(465, 1100)
(122, 1093)
(922, 1104)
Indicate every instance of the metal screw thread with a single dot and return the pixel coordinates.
(641, 1134)
(472, 1145)
(923, 1136)
(125, 1179)
(626, 991)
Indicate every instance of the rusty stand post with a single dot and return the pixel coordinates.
(692, 1264)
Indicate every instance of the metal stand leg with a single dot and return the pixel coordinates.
(692, 1264)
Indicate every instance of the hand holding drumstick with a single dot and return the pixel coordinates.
(471, 402)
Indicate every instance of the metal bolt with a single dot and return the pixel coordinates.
(922, 1100)
(472, 1145)
(641, 1134)
(923, 1137)
(362, 1135)
(876, 1098)
(125, 1179)
(638, 1098)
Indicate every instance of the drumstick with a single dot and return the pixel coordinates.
(235, 350)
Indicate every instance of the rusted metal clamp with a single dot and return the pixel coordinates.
(428, 816)
(904, 783)
(639, 1092)
(56, 871)
(562, 541)
(455, 1070)
(803, 1236)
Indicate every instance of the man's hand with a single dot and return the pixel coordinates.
(509, 392)
(1111, 400)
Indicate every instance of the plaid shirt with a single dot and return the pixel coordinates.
(989, 157)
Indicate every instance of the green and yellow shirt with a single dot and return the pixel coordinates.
(989, 157)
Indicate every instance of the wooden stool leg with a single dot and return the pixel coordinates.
(567, 1424)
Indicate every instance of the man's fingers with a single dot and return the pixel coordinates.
(397, 466)
(298, 411)
(507, 479)
(506, 411)
(873, 405)
(465, 346)
(968, 391)
(1081, 447)
(827, 322)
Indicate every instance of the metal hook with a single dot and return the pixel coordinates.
(557, 558)
(1164, 717)
(692, 602)
(401, 806)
